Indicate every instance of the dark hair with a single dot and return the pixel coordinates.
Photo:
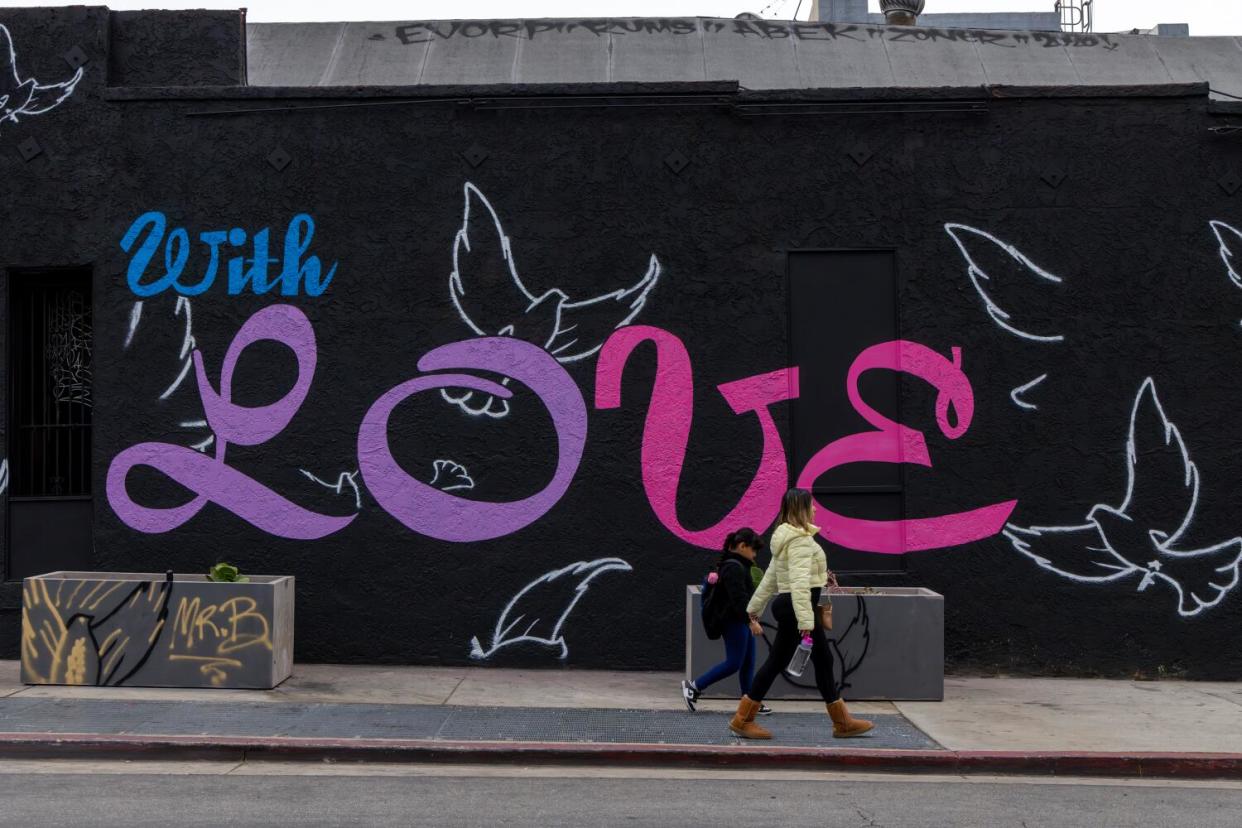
(744, 535)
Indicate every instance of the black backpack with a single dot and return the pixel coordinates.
(709, 607)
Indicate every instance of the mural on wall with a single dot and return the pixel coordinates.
(1144, 536)
(26, 96)
(563, 332)
(149, 316)
(1007, 269)
(537, 614)
(493, 300)
(667, 431)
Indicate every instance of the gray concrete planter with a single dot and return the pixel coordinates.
(140, 630)
(887, 643)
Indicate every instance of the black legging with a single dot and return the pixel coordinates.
(786, 642)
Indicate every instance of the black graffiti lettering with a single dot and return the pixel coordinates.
(535, 27)
(413, 33)
(996, 38)
(425, 32)
(744, 28)
(773, 31)
(501, 28)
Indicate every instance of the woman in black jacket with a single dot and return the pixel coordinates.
(727, 613)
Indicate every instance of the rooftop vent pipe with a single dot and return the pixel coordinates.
(902, 12)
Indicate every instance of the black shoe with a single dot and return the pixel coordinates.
(690, 695)
(763, 710)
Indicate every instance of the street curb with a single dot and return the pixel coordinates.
(1051, 763)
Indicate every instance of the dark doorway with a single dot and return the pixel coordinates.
(50, 406)
(841, 302)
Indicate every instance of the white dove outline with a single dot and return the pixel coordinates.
(560, 341)
(504, 626)
(453, 467)
(1221, 230)
(32, 89)
(998, 314)
(1114, 565)
(182, 307)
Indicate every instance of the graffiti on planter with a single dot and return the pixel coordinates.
(89, 632)
(848, 647)
(26, 96)
(537, 614)
(298, 271)
(215, 636)
(999, 271)
(1144, 535)
(492, 300)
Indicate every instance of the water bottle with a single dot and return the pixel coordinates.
(801, 656)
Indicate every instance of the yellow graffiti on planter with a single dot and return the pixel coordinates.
(231, 625)
(214, 634)
(60, 630)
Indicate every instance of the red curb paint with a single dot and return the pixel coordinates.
(1053, 763)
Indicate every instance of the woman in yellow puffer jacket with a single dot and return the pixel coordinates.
(798, 572)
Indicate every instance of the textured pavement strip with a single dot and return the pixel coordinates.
(432, 722)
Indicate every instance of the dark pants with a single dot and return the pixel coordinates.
(783, 647)
(739, 658)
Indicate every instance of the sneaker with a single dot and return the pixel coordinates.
(763, 710)
(690, 695)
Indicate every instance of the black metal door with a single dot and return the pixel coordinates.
(841, 302)
(50, 403)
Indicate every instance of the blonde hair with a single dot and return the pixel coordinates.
(797, 509)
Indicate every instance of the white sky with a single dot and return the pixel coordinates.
(1206, 17)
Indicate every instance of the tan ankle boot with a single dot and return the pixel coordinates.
(843, 724)
(743, 723)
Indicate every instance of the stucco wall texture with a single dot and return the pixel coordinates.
(456, 401)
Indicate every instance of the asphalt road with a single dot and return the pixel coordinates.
(122, 794)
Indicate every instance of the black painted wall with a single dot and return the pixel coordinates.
(1112, 195)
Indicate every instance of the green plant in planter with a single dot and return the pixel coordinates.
(227, 574)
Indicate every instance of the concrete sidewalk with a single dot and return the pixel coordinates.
(1049, 725)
